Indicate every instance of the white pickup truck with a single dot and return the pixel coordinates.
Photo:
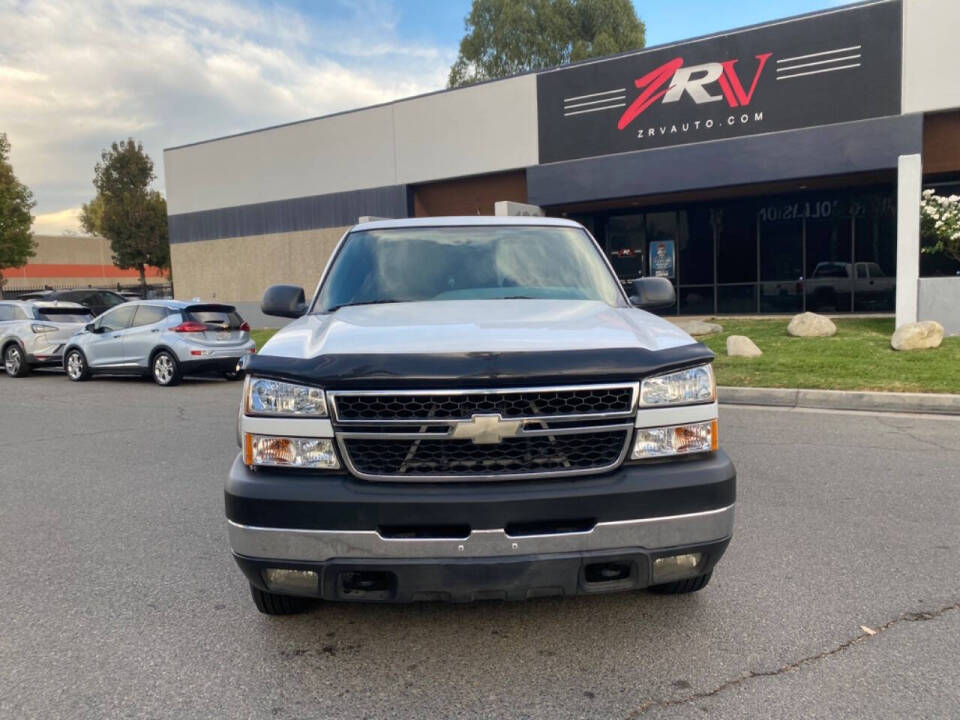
(473, 408)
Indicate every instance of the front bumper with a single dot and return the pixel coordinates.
(468, 541)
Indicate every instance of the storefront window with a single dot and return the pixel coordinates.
(737, 299)
(824, 251)
(828, 282)
(876, 261)
(781, 265)
(695, 257)
(625, 244)
(696, 300)
(736, 229)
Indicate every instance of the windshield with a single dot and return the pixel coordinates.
(224, 317)
(467, 263)
(64, 315)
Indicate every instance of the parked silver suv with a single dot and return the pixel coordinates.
(33, 334)
(165, 339)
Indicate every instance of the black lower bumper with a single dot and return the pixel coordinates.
(400, 542)
(471, 579)
(338, 501)
(209, 366)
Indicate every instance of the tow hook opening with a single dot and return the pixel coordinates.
(606, 572)
(367, 584)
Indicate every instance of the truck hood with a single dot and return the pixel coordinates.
(475, 342)
(470, 326)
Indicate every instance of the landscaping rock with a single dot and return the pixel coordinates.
(917, 336)
(698, 327)
(810, 324)
(742, 346)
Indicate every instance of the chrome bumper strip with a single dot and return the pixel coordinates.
(323, 545)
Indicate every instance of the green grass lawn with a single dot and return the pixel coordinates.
(261, 336)
(858, 357)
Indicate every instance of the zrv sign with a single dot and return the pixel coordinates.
(813, 71)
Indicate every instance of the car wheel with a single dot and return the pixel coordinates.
(682, 587)
(75, 365)
(272, 604)
(165, 370)
(15, 362)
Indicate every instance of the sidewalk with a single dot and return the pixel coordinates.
(934, 403)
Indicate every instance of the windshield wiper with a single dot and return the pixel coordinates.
(382, 301)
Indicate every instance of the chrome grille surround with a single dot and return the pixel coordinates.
(539, 431)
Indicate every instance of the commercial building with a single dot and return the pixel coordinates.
(770, 169)
(69, 261)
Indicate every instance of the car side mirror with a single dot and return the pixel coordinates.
(90, 327)
(284, 301)
(653, 292)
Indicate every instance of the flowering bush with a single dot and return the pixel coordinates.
(940, 222)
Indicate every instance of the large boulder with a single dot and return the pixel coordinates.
(917, 336)
(810, 324)
(698, 327)
(742, 346)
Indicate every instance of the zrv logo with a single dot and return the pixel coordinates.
(694, 81)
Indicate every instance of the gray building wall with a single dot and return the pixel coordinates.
(939, 299)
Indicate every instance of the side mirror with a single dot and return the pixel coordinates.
(284, 301)
(90, 327)
(653, 292)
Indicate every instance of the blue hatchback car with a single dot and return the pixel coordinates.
(165, 339)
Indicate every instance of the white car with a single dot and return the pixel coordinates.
(163, 339)
(33, 334)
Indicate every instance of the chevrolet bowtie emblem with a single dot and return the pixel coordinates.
(486, 429)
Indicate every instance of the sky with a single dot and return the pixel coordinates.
(76, 75)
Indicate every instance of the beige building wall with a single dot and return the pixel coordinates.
(72, 249)
(239, 269)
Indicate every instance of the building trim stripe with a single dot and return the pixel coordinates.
(841, 149)
(296, 214)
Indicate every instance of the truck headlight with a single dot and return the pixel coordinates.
(274, 397)
(684, 387)
(274, 451)
(674, 440)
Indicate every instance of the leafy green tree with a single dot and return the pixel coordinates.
(506, 37)
(16, 202)
(126, 211)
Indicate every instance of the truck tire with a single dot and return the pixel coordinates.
(682, 587)
(272, 604)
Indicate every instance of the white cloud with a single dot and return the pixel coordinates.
(57, 223)
(76, 76)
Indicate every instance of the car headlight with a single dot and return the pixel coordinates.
(273, 451)
(674, 440)
(273, 397)
(684, 387)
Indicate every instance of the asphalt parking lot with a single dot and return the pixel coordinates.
(120, 598)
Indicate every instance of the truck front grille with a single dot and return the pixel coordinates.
(463, 458)
(484, 434)
(462, 406)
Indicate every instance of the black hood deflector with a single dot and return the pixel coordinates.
(399, 371)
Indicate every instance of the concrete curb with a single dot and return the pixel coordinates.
(935, 403)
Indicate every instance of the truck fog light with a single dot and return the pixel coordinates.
(272, 451)
(675, 567)
(675, 440)
(299, 581)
